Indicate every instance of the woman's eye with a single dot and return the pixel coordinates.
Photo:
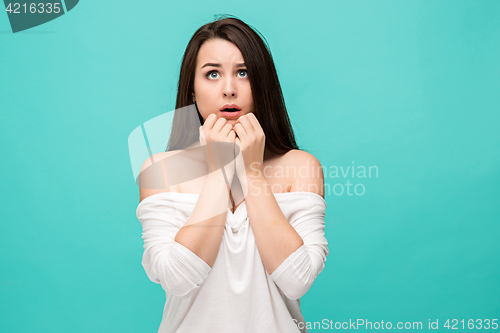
(209, 74)
(244, 71)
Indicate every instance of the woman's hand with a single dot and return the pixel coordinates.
(218, 130)
(251, 140)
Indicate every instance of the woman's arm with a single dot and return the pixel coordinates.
(293, 251)
(276, 238)
(203, 231)
(179, 254)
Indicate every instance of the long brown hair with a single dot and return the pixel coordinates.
(269, 104)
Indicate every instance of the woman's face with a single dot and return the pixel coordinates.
(221, 78)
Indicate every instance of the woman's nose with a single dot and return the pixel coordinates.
(229, 87)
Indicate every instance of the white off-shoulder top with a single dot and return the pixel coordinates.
(236, 294)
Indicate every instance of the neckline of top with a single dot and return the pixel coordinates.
(197, 195)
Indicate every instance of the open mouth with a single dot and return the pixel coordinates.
(231, 113)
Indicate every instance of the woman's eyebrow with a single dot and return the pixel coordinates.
(219, 65)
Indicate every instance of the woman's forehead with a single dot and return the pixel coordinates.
(219, 53)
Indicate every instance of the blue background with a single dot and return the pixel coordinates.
(411, 87)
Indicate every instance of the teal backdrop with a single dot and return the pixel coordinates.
(408, 88)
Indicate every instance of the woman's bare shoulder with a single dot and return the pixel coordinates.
(157, 158)
(304, 171)
(152, 178)
(297, 156)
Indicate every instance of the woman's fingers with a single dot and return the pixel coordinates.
(210, 121)
(232, 135)
(212, 133)
(255, 123)
(245, 121)
(240, 130)
(218, 125)
(217, 129)
(207, 126)
(226, 129)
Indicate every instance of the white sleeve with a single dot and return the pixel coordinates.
(167, 262)
(297, 273)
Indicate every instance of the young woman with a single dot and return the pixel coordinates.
(233, 265)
